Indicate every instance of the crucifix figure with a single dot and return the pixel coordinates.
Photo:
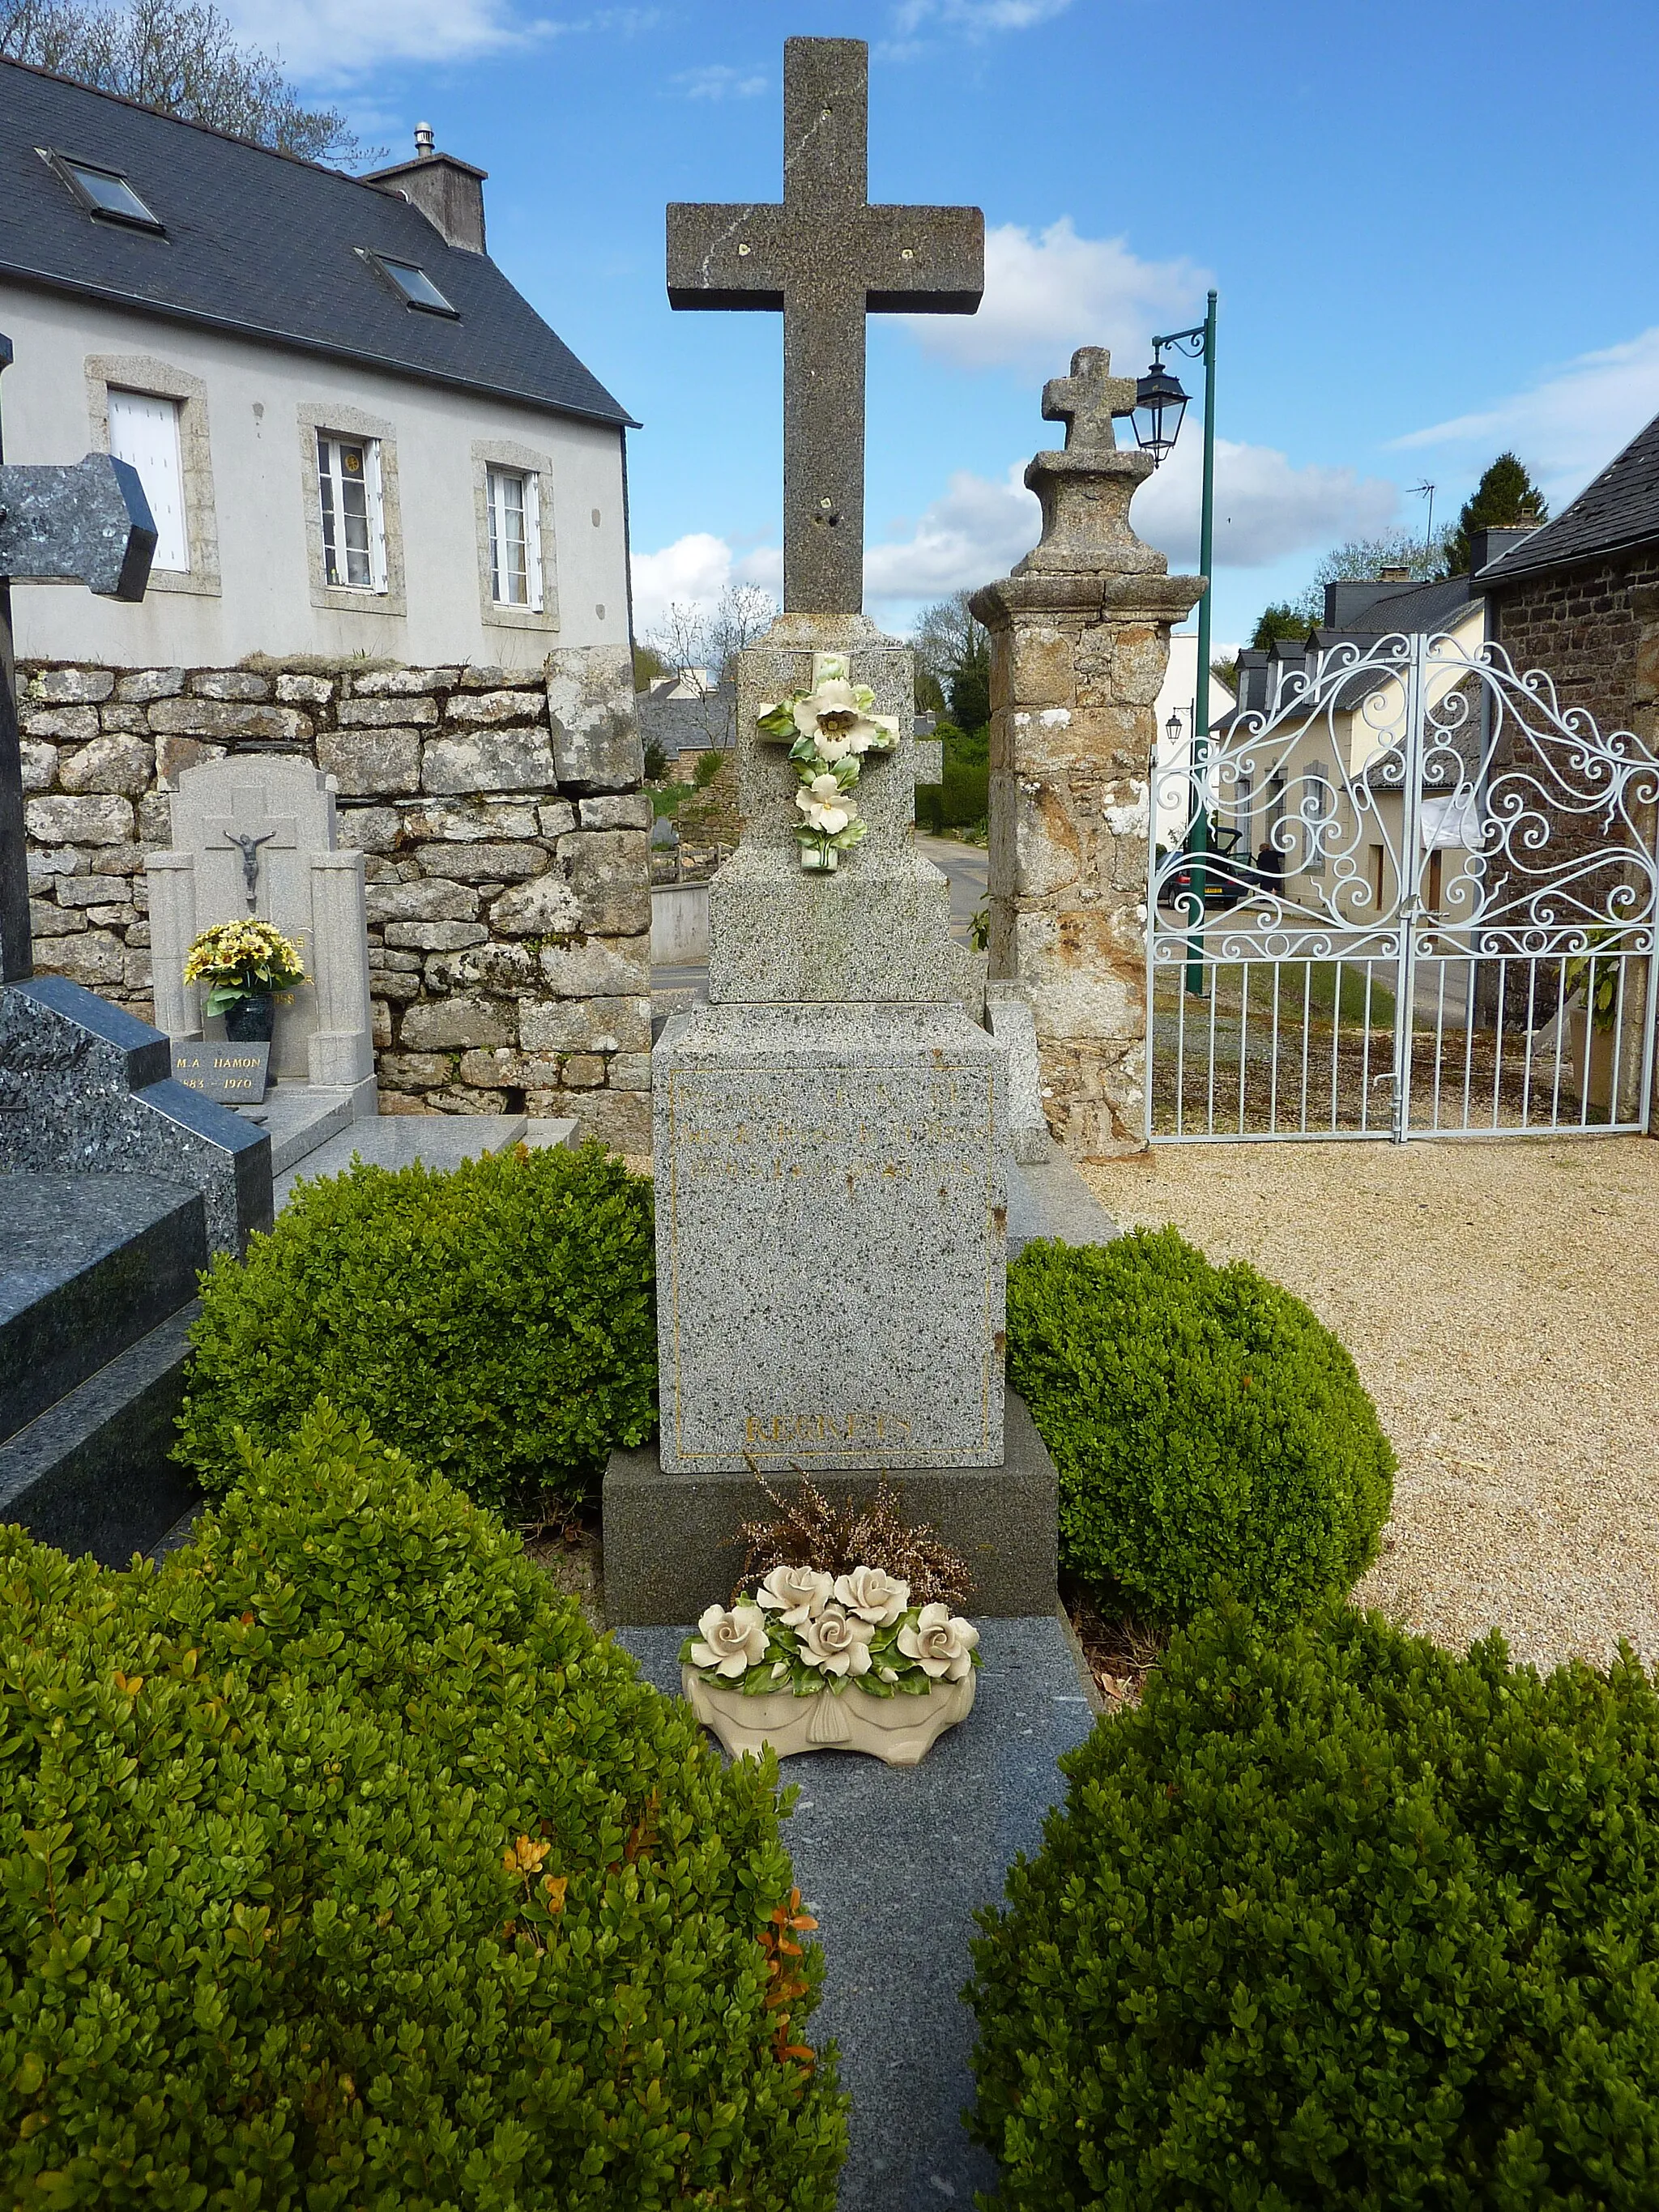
(90, 524)
(249, 826)
(825, 259)
(1088, 400)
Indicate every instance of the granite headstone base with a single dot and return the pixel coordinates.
(831, 1237)
(673, 1543)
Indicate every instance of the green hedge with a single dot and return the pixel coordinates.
(1205, 1425)
(497, 1323)
(962, 798)
(1336, 1921)
(342, 1868)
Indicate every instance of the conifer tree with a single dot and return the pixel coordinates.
(1505, 498)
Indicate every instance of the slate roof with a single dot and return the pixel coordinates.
(1620, 508)
(1427, 608)
(263, 245)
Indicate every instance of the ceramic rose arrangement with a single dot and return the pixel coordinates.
(833, 729)
(805, 1632)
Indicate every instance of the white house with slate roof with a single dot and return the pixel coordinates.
(356, 437)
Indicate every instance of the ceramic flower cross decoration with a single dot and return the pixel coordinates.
(832, 730)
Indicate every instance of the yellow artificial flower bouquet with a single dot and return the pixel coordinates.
(240, 960)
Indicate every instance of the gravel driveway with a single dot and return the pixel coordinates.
(1501, 1301)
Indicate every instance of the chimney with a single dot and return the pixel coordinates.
(1394, 573)
(449, 193)
(1488, 545)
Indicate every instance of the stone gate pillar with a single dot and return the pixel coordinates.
(1079, 642)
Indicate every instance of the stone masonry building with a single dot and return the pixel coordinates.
(391, 508)
(505, 842)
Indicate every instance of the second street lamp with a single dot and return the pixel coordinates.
(1160, 405)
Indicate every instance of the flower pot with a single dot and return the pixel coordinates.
(900, 1730)
(823, 858)
(252, 1020)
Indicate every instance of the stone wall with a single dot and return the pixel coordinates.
(1079, 644)
(1595, 629)
(506, 837)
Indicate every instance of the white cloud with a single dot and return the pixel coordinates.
(694, 572)
(1265, 506)
(976, 17)
(718, 80)
(974, 533)
(324, 42)
(1569, 425)
(1048, 291)
(979, 527)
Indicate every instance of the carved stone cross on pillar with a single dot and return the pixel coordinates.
(826, 258)
(1087, 400)
(249, 827)
(91, 525)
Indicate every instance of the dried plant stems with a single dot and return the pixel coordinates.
(813, 1533)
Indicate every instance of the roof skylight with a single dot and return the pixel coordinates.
(104, 192)
(412, 284)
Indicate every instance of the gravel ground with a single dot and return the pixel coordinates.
(1500, 1301)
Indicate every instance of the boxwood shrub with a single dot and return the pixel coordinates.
(342, 1868)
(1336, 1921)
(496, 1322)
(1205, 1425)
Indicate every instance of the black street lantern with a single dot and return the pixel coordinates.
(1160, 403)
(1172, 729)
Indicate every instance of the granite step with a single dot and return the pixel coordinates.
(93, 1263)
(892, 1863)
(93, 1472)
(298, 1118)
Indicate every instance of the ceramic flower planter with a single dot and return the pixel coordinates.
(830, 1663)
(902, 1731)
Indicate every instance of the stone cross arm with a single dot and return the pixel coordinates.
(1087, 400)
(89, 524)
(901, 260)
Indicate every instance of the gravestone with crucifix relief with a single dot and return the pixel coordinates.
(830, 1129)
(255, 835)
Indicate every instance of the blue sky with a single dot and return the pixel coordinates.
(1432, 229)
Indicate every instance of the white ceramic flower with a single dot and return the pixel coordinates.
(825, 806)
(732, 1641)
(941, 1643)
(874, 1595)
(836, 717)
(796, 1594)
(836, 1642)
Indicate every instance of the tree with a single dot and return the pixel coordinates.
(648, 665)
(1277, 621)
(701, 645)
(1505, 498)
(182, 56)
(954, 648)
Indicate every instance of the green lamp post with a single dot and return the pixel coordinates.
(1160, 404)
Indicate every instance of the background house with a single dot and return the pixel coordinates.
(687, 713)
(357, 437)
(1579, 598)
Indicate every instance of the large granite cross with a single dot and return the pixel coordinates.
(826, 258)
(89, 524)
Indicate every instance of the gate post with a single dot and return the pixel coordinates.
(1079, 643)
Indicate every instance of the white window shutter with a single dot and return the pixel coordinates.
(144, 430)
(532, 539)
(376, 514)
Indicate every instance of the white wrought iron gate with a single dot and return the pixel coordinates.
(1413, 896)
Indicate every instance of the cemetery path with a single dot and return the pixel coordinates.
(1500, 1301)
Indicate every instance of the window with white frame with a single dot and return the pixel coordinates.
(144, 430)
(353, 513)
(513, 497)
